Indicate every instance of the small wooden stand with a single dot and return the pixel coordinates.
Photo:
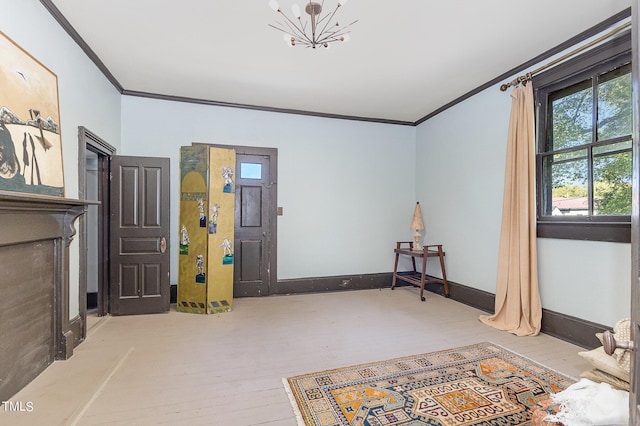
(419, 279)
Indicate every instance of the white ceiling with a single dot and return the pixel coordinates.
(405, 59)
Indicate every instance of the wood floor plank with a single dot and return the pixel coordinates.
(227, 369)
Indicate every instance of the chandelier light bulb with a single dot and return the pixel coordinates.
(342, 2)
(345, 38)
(296, 10)
(289, 39)
(273, 4)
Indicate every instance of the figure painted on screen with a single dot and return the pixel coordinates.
(227, 247)
(227, 174)
(200, 277)
(184, 240)
(213, 218)
(203, 217)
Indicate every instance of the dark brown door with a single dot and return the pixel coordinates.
(255, 222)
(139, 279)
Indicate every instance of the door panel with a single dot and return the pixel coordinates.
(251, 271)
(251, 204)
(140, 208)
(255, 214)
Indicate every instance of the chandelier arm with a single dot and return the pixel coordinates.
(326, 15)
(347, 26)
(289, 33)
(283, 30)
(326, 24)
(291, 24)
(298, 33)
(336, 33)
(331, 38)
(322, 20)
(327, 36)
(277, 28)
(322, 5)
(294, 31)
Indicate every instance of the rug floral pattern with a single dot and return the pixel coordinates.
(481, 384)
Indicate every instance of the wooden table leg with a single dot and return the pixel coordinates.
(395, 272)
(444, 273)
(422, 275)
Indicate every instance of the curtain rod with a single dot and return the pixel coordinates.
(529, 75)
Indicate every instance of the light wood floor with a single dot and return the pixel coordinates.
(227, 369)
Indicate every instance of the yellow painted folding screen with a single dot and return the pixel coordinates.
(206, 253)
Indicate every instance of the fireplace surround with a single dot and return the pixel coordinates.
(35, 233)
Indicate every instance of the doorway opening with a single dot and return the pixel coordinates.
(94, 157)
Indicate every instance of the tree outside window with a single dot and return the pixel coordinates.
(585, 150)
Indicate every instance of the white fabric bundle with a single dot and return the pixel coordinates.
(587, 403)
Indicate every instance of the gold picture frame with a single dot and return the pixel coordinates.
(30, 132)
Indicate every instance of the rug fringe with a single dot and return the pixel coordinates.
(294, 404)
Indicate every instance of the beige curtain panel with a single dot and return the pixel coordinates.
(518, 309)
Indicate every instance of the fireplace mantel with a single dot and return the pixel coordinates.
(27, 218)
(35, 233)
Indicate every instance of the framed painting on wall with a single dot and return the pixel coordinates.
(30, 135)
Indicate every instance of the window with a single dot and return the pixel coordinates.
(584, 160)
(250, 171)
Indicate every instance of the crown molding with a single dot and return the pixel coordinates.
(596, 29)
(66, 25)
(261, 108)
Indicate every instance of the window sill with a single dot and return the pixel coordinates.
(617, 232)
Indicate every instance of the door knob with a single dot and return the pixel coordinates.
(610, 343)
(163, 245)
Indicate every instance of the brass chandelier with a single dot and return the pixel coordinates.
(322, 29)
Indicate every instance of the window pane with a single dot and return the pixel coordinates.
(571, 116)
(612, 184)
(578, 154)
(612, 147)
(250, 171)
(569, 190)
(614, 104)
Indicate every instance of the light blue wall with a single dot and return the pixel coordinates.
(459, 178)
(346, 187)
(466, 147)
(86, 97)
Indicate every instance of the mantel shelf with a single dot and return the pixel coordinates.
(21, 199)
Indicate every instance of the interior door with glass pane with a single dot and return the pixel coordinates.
(254, 224)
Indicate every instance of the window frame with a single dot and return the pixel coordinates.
(601, 59)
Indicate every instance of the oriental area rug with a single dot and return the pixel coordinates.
(481, 384)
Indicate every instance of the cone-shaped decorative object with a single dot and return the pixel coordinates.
(417, 226)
